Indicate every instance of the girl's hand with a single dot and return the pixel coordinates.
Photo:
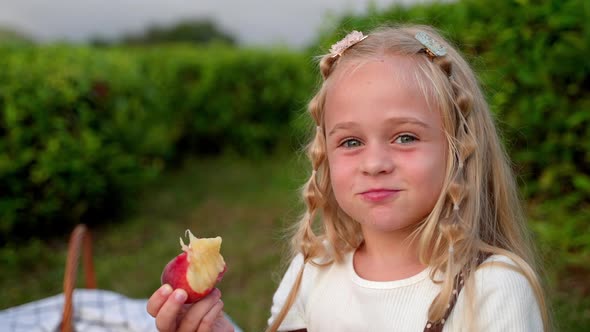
(172, 314)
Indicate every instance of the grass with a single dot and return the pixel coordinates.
(249, 203)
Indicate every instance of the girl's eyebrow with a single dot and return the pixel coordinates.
(342, 125)
(407, 120)
(396, 121)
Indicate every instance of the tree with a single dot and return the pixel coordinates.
(191, 30)
(10, 35)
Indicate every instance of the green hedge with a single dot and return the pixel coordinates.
(82, 128)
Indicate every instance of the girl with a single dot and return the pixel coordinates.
(422, 228)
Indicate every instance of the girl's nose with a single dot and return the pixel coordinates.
(377, 159)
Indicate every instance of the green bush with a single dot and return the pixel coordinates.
(226, 98)
(82, 128)
(60, 154)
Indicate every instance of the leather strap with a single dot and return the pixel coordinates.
(458, 286)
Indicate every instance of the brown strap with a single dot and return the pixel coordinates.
(458, 286)
(79, 240)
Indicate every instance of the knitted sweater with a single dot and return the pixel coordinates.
(335, 298)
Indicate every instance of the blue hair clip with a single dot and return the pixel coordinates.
(432, 47)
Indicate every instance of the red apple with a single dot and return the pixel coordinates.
(198, 269)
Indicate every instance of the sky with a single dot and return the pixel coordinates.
(252, 22)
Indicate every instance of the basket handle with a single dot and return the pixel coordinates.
(79, 240)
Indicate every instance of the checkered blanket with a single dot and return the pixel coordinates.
(94, 311)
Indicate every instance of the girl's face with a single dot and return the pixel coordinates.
(386, 147)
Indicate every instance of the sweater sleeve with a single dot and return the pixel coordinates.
(505, 299)
(294, 319)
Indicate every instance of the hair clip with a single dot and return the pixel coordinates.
(345, 43)
(432, 47)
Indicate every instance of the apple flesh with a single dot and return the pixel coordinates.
(198, 269)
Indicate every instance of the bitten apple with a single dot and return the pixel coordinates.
(197, 269)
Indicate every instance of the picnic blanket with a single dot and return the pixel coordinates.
(95, 310)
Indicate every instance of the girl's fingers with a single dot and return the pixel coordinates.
(209, 320)
(157, 299)
(195, 315)
(170, 312)
(167, 315)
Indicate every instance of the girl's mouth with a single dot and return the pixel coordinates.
(378, 195)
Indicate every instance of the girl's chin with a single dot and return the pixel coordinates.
(385, 217)
(388, 226)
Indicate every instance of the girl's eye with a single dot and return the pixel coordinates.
(405, 139)
(351, 143)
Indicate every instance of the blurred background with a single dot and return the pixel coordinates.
(142, 119)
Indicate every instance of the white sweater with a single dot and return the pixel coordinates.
(335, 298)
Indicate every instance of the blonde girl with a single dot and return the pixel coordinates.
(413, 219)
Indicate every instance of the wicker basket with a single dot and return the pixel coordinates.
(80, 242)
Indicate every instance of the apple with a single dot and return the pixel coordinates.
(198, 269)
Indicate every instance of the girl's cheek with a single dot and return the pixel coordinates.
(340, 164)
(340, 170)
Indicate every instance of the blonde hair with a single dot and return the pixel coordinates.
(478, 210)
